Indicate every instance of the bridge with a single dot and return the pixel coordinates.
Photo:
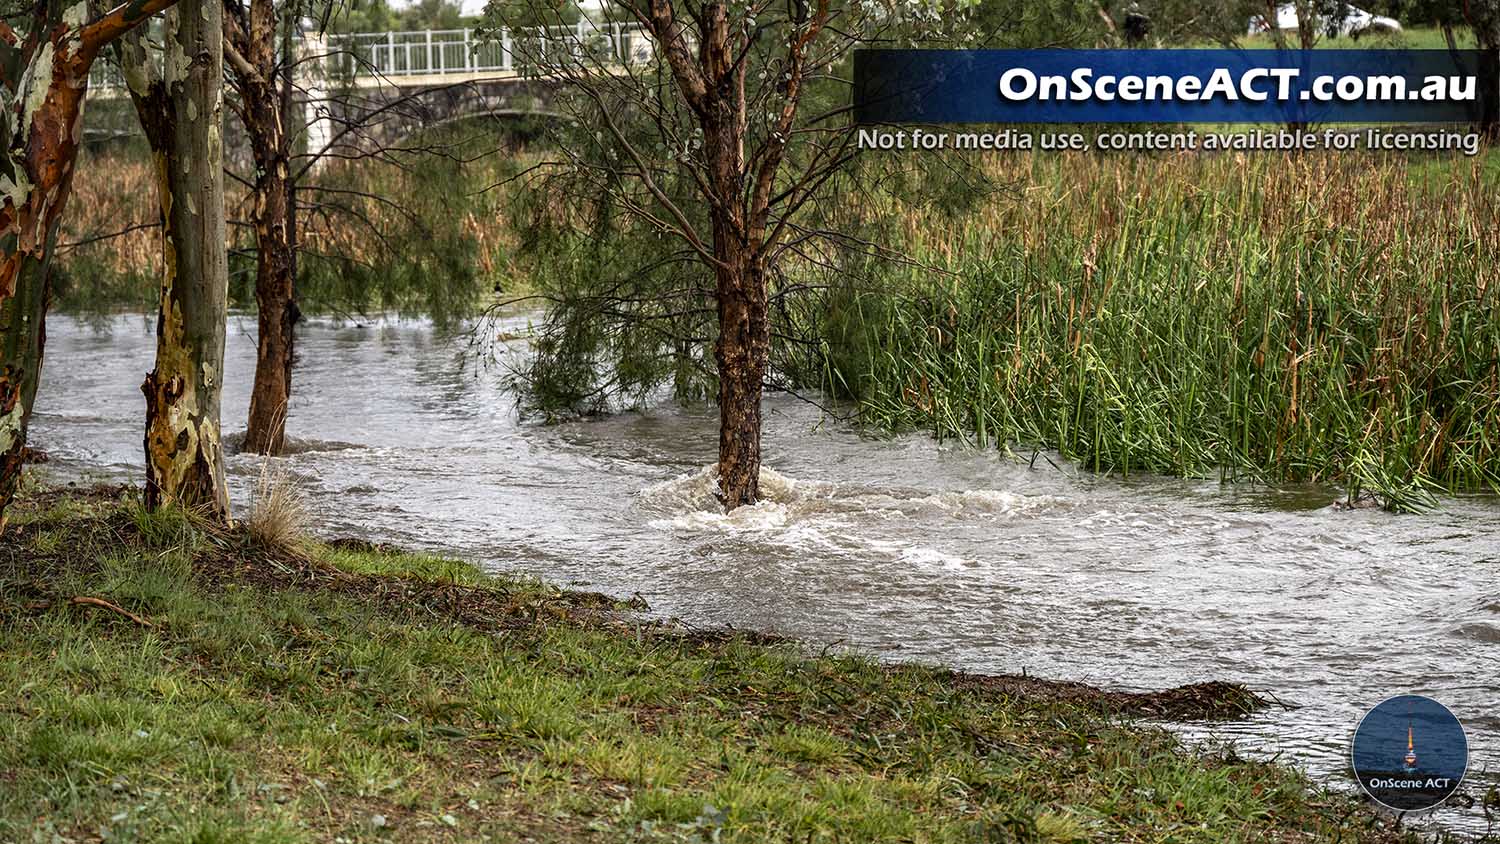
(445, 57)
(435, 76)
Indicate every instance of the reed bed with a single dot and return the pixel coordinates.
(1312, 318)
(109, 252)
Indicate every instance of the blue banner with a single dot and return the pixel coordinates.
(1168, 86)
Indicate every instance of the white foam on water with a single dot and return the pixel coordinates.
(825, 518)
(990, 502)
(917, 556)
(688, 502)
(694, 496)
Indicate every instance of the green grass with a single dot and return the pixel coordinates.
(279, 699)
(1410, 38)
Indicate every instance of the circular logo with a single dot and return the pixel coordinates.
(1410, 753)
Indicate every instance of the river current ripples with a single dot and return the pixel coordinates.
(901, 547)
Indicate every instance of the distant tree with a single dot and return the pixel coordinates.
(363, 16)
(524, 14)
(1179, 22)
(271, 98)
(1482, 17)
(1038, 23)
(355, 175)
(44, 76)
(432, 14)
(1440, 13)
(1444, 14)
(1316, 20)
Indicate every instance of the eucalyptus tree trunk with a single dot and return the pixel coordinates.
(43, 82)
(23, 310)
(181, 114)
(742, 351)
(263, 110)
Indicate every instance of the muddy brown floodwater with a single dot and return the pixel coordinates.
(901, 548)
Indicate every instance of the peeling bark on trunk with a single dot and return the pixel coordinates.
(26, 266)
(263, 111)
(181, 116)
(44, 122)
(43, 80)
(742, 351)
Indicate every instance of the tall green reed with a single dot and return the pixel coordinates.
(1315, 318)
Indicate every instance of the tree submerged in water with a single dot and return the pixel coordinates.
(699, 145)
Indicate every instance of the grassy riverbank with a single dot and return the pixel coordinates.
(163, 682)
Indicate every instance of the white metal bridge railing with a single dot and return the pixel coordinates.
(459, 52)
(454, 53)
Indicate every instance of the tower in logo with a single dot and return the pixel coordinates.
(1390, 774)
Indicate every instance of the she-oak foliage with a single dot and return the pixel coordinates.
(689, 190)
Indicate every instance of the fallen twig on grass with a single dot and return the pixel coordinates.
(89, 601)
(100, 602)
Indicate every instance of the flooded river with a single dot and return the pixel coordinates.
(902, 548)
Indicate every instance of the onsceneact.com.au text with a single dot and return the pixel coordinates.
(1256, 85)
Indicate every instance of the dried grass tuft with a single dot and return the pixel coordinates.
(278, 517)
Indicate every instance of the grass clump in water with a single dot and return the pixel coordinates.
(367, 695)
